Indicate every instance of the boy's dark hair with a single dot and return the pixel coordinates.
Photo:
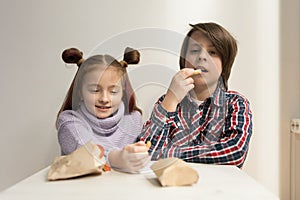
(224, 42)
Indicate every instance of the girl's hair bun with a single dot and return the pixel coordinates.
(131, 56)
(72, 56)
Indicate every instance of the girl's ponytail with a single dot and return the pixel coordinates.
(72, 56)
(131, 56)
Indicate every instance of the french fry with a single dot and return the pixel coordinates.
(197, 71)
(148, 144)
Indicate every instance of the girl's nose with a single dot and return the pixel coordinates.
(103, 97)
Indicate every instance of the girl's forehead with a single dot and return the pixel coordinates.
(103, 75)
(101, 69)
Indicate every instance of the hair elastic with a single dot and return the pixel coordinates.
(80, 62)
(124, 63)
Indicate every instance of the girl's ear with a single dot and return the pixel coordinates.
(79, 98)
(80, 95)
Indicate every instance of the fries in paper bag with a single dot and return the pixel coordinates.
(88, 159)
(174, 172)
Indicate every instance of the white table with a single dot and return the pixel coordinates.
(215, 182)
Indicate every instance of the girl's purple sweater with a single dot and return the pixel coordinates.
(75, 128)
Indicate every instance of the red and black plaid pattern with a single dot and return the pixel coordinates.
(217, 132)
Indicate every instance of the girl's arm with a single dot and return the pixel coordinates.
(73, 132)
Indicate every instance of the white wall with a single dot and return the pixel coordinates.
(289, 96)
(34, 80)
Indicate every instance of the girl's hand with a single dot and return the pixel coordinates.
(138, 147)
(131, 159)
(180, 85)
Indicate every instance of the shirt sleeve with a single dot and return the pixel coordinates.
(231, 147)
(73, 132)
(157, 129)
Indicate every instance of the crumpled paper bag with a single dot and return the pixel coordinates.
(174, 172)
(88, 159)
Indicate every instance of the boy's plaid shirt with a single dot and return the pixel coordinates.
(218, 131)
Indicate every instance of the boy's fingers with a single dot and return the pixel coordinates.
(197, 71)
(187, 72)
(189, 81)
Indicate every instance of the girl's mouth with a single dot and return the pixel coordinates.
(103, 107)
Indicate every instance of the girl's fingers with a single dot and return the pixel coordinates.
(132, 148)
(138, 147)
(140, 143)
(141, 162)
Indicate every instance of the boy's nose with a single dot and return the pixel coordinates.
(203, 55)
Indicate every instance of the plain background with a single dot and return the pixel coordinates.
(34, 80)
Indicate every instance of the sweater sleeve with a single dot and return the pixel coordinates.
(73, 131)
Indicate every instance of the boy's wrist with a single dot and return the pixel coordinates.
(170, 102)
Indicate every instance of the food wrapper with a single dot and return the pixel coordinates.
(88, 159)
(174, 172)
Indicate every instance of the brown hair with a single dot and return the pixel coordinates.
(74, 56)
(224, 42)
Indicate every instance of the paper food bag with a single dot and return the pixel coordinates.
(88, 159)
(174, 172)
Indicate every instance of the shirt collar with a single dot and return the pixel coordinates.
(217, 97)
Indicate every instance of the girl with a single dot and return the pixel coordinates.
(198, 119)
(100, 106)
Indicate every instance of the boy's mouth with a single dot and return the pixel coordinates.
(203, 69)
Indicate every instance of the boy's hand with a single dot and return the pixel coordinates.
(180, 85)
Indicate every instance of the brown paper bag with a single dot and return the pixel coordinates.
(87, 159)
(174, 172)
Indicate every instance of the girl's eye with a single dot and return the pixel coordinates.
(195, 50)
(93, 90)
(114, 91)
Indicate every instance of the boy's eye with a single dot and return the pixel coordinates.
(213, 53)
